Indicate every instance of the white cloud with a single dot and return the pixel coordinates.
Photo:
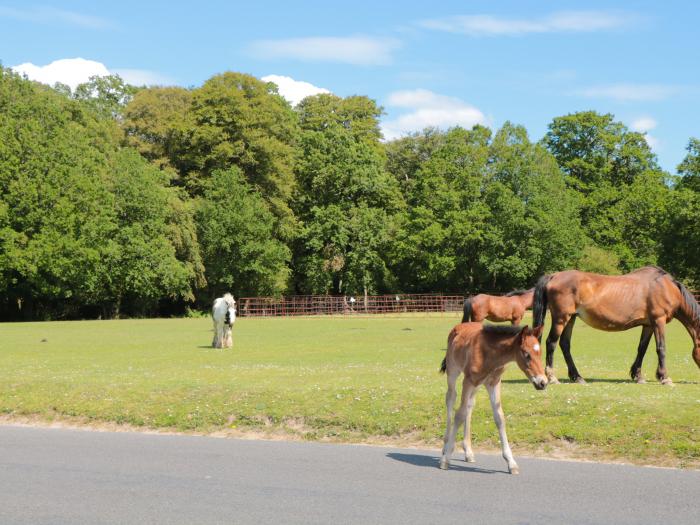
(294, 90)
(143, 77)
(51, 15)
(629, 92)
(74, 71)
(357, 50)
(645, 125)
(428, 109)
(557, 22)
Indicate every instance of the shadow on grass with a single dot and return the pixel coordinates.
(600, 380)
(420, 460)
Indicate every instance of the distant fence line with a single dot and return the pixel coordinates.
(347, 305)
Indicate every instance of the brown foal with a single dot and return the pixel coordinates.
(648, 297)
(510, 307)
(481, 353)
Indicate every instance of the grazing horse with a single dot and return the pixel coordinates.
(224, 314)
(648, 297)
(481, 353)
(510, 307)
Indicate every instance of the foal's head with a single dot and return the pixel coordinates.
(529, 356)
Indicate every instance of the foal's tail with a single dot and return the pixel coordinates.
(467, 316)
(443, 366)
(539, 305)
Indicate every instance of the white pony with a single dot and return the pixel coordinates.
(224, 314)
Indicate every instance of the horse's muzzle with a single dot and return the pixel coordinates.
(539, 382)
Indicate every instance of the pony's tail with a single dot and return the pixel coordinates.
(539, 305)
(467, 316)
(443, 366)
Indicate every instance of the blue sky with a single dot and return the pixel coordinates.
(428, 63)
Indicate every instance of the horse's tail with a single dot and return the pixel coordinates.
(443, 366)
(539, 305)
(467, 315)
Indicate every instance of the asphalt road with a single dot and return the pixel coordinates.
(61, 476)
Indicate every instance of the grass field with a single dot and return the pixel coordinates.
(357, 380)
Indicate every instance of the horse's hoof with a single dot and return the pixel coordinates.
(444, 464)
(514, 470)
(641, 381)
(552, 380)
(667, 382)
(580, 380)
(469, 459)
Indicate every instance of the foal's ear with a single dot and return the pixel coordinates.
(537, 332)
(525, 332)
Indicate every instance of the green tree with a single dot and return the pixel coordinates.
(345, 198)
(108, 95)
(235, 230)
(622, 191)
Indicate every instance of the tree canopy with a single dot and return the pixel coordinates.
(117, 200)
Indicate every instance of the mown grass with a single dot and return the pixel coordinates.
(344, 379)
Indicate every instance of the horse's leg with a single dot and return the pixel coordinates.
(450, 397)
(467, 442)
(636, 370)
(552, 339)
(460, 417)
(660, 336)
(499, 418)
(565, 344)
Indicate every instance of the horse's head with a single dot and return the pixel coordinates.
(529, 356)
(231, 311)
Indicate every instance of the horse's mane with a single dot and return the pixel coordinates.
(689, 306)
(229, 300)
(502, 329)
(519, 292)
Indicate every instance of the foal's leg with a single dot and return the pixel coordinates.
(215, 341)
(636, 370)
(460, 417)
(499, 418)
(467, 441)
(450, 397)
(660, 336)
(565, 344)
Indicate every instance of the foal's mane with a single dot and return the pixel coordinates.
(519, 292)
(502, 329)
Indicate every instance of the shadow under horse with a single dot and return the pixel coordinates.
(648, 297)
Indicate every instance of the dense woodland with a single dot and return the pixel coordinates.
(116, 200)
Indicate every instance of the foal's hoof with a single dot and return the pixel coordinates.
(641, 381)
(469, 459)
(514, 470)
(444, 463)
(667, 382)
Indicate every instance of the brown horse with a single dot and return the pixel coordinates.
(481, 353)
(648, 297)
(510, 307)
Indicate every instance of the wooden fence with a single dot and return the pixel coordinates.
(339, 305)
(308, 305)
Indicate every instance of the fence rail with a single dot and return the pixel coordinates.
(309, 305)
(339, 305)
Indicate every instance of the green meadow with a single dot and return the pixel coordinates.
(371, 380)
